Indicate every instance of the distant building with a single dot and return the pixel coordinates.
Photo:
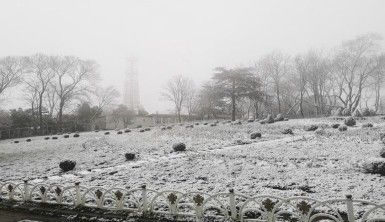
(131, 96)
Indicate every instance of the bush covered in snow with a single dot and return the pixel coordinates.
(107, 133)
(346, 112)
(16, 141)
(342, 128)
(366, 125)
(368, 112)
(76, 135)
(279, 117)
(130, 156)
(375, 166)
(66, 136)
(357, 113)
(28, 140)
(127, 130)
(179, 147)
(119, 132)
(311, 128)
(382, 153)
(46, 138)
(255, 135)
(336, 112)
(54, 137)
(67, 165)
(287, 131)
(350, 121)
(335, 125)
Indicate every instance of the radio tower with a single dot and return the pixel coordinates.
(131, 86)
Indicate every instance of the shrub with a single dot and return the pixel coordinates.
(67, 165)
(190, 126)
(346, 112)
(76, 135)
(213, 124)
(66, 136)
(255, 135)
(179, 147)
(311, 128)
(147, 129)
(337, 112)
(163, 128)
(342, 128)
(16, 141)
(196, 124)
(250, 120)
(350, 121)
(321, 132)
(357, 113)
(46, 138)
(279, 117)
(287, 131)
(237, 122)
(130, 156)
(375, 166)
(28, 140)
(335, 125)
(205, 124)
(139, 126)
(286, 119)
(367, 125)
(54, 138)
(119, 132)
(269, 119)
(127, 130)
(142, 130)
(382, 153)
(107, 133)
(169, 127)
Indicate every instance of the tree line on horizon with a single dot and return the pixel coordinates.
(62, 90)
(344, 80)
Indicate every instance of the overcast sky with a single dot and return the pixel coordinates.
(173, 37)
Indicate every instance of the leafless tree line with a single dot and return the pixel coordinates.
(51, 84)
(316, 83)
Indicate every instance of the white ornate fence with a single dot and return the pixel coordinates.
(197, 205)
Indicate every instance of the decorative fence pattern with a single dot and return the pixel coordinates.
(198, 206)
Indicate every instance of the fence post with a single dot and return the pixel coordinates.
(27, 196)
(78, 198)
(349, 205)
(144, 200)
(233, 210)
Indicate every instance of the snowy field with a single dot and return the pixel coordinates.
(320, 165)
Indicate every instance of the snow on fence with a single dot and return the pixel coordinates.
(197, 205)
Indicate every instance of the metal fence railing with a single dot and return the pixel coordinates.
(198, 206)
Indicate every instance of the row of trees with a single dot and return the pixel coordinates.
(349, 77)
(52, 84)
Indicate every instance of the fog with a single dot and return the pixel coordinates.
(177, 37)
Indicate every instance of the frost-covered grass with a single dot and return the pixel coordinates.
(321, 165)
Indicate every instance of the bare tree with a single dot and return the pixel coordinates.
(354, 64)
(38, 78)
(71, 77)
(11, 71)
(276, 65)
(176, 91)
(191, 98)
(378, 79)
(104, 96)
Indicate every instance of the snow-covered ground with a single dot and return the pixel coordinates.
(306, 163)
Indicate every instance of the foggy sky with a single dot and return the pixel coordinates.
(178, 37)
